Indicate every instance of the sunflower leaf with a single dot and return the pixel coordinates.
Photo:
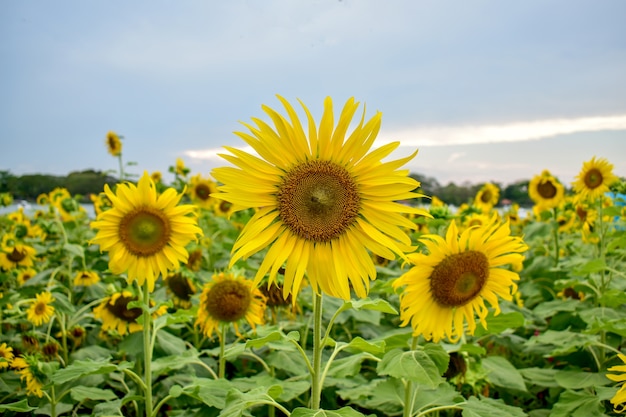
(369, 304)
(19, 406)
(415, 365)
(81, 393)
(487, 407)
(342, 412)
(79, 369)
(578, 404)
(503, 374)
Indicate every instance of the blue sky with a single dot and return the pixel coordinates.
(487, 90)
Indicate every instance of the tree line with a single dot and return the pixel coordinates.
(82, 183)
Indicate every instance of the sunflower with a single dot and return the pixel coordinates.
(6, 355)
(28, 368)
(43, 199)
(619, 399)
(180, 168)
(546, 191)
(40, 310)
(201, 190)
(487, 197)
(115, 314)
(25, 274)
(145, 233)
(114, 144)
(224, 209)
(450, 284)
(322, 200)
(594, 179)
(181, 288)
(157, 177)
(101, 202)
(20, 256)
(229, 298)
(86, 278)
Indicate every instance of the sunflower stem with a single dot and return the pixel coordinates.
(222, 361)
(147, 348)
(119, 158)
(556, 238)
(316, 380)
(408, 389)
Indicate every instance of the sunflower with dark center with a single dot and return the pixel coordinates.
(323, 202)
(594, 179)
(86, 278)
(27, 367)
(229, 299)
(619, 399)
(40, 310)
(448, 286)
(20, 255)
(181, 289)
(487, 197)
(117, 316)
(145, 232)
(113, 143)
(6, 355)
(195, 259)
(200, 191)
(25, 274)
(546, 191)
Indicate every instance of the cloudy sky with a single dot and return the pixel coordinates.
(487, 90)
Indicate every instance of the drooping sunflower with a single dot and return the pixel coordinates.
(20, 256)
(40, 310)
(322, 201)
(619, 399)
(145, 232)
(28, 368)
(116, 316)
(487, 197)
(449, 286)
(101, 202)
(86, 278)
(181, 288)
(6, 355)
(114, 144)
(546, 191)
(229, 299)
(594, 178)
(25, 274)
(201, 190)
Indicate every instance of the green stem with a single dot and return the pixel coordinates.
(316, 388)
(441, 407)
(119, 158)
(53, 403)
(556, 237)
(147, 351)
(408, 389)
(64, 338)
(222, 359)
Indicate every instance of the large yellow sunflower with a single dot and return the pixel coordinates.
(546, 191)
(449, 286)
(594, 179)
(145, 233)
(487, 197)
(201, 190)
(114, 144)
(322, 200)
(619, 399)
(115, 314)
(20, 256)
(40, 310)
(229, 298)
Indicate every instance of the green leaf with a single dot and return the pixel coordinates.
(503, 374)
(348, 366)
(358, 344)
(342, 412)
(613, 298)
(473, 349)
(540, 377)
(108, 408)
(211, 392)
(19, 406)
(578, 404)
(177, 317)
(562, 342)
(290, 389)
(487, 407)
(176, 391)
(82, 368)
(500, 323)
(368, 304)
(167, 364)
(415, 365)
(594, 265)
(81, 393)
(237, 402)
(262, 341)
(74, 250)
(170, 344)
(579, 380)
(291, 362)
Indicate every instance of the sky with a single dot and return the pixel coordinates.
(486, 90)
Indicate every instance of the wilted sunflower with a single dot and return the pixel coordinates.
(619, 399)
(114, 144)
(115, 314)
(229, 298)
(24, 275)
(201, 190)
(546, 191)
(594, 179)
(20, 256)
(487, 197)
(6, 355)
(40, 310)
(145, 233)
(322, 200)
(86, 278)
(449, 286)
(181, 289)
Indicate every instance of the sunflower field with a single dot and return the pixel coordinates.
(313, 278)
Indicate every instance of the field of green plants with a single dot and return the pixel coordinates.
(213, 296)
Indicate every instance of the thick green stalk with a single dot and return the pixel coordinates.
(222, 360)
(147, 348)
(408, 389)
(316, 380)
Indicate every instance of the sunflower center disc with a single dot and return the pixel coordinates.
(121, 311)
(16, 256)
(546, 189)
(593, 178)
(228, 301)
(485, 196)
(318, 200)
(203, 191)
(179, 285)
(458, 278)
(40, 308)
(144, 231)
